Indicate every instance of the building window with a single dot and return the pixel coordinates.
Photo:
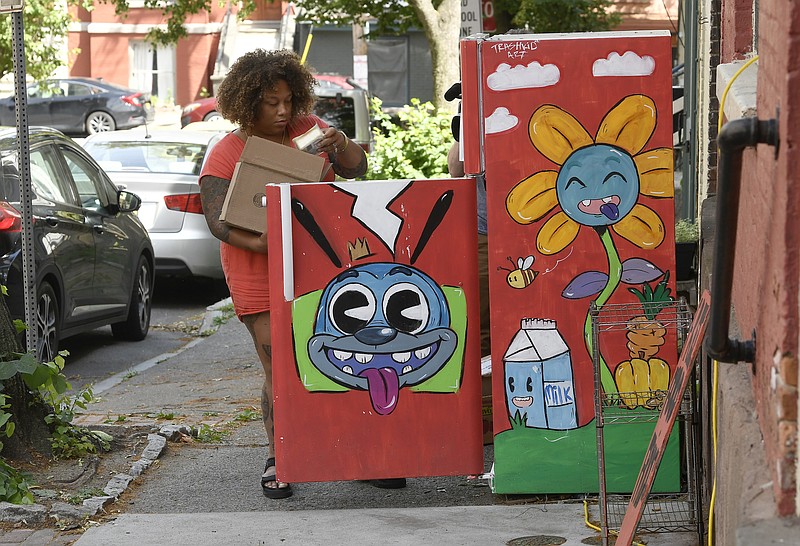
(153, 69)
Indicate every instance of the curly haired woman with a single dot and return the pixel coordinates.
(269, 94)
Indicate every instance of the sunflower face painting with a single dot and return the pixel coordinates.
(600, 178)
(573, 134)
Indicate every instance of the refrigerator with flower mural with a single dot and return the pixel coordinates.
(574, 135)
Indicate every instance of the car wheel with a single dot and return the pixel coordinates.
(138, 322)
(212, 116)
(100, 122)
(47, 323)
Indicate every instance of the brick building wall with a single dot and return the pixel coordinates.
(765, 294)
(102, 39)
(713, 121)
(737, 28)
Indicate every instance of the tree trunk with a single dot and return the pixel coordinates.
(28, 411)
(442, 29)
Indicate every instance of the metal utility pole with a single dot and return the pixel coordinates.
(15, 7)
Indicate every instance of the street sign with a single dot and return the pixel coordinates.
(10, 6)
(489, 24)
(470, 18)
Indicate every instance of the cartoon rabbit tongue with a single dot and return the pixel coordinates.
(384, 388)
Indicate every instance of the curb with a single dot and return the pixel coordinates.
(215, 314)
(65, 513)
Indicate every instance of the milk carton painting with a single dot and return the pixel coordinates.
(539, 387)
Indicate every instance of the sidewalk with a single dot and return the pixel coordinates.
(209, 494)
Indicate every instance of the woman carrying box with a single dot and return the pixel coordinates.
(269, 94)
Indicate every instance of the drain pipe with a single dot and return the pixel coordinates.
(734, 137)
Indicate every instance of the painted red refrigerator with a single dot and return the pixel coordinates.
(574, 135)
(376, 364)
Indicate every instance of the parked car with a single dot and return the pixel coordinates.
(345, 109)
(336, 81)
(348, 110)
(216, 126)
(163, 168)
(80, 106)
(93, 258)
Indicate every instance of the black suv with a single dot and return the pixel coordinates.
(93, 257)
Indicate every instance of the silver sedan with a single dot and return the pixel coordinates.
(163, 168)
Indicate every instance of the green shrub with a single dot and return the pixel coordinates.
(14, 485)
(687, 231)
(413, 146)
(49, 385)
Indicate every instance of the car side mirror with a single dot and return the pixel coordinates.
(128, 201)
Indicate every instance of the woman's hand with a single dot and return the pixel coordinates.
(348, 158)
(261, 243)
(212, 196)
(333, 141)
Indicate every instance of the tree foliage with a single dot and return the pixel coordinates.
(439, 19)
(560, 15)
(175, 13)
(45, 23)
(386, 17)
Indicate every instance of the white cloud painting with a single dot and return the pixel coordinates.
(500, 120)
(523, 76)
(627, 64)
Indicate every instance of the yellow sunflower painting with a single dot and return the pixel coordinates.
(598, 184)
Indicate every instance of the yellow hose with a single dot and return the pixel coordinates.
(728, 88)
(712, 502)
(591, 525)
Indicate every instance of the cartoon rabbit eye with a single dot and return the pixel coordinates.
(511, 384)
(352, 307)
(406, 308)
(529, 385)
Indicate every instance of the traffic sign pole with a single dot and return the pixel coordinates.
(24, 163)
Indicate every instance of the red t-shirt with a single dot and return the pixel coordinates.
(247, 272)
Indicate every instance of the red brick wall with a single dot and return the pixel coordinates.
(195, 57)
(767, 273)
(737, 29)
(80, 58)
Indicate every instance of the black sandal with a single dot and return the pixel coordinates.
(268, 478)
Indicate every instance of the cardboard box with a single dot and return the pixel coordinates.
(263, 162)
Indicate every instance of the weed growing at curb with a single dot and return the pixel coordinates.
(249, 414)
(206, 434)
(81, 495)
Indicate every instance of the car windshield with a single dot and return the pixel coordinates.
(154, 157)
(338, 112)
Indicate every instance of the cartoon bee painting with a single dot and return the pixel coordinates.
(523, 275)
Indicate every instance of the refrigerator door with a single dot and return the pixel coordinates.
(574, 134)
(374, 307)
